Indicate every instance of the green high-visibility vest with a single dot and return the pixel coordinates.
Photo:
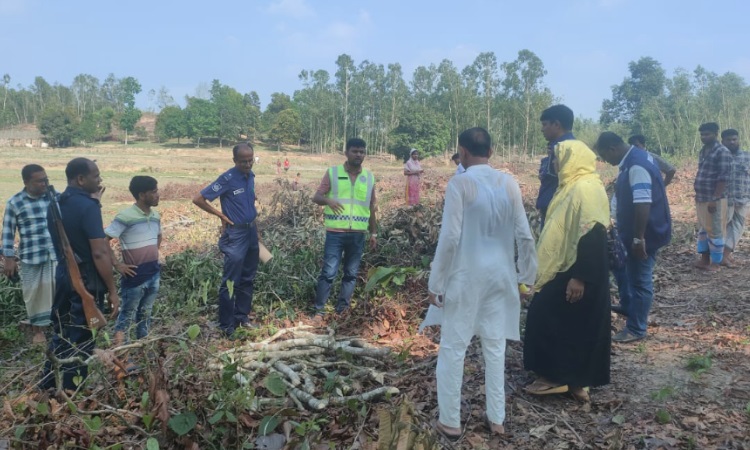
(355, 198)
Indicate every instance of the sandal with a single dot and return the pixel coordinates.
(542, 388)
(495, 428)
(581, 394)
(443, 430)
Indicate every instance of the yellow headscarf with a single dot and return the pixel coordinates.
(579, 203)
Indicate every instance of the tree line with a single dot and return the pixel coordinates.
(375, 102)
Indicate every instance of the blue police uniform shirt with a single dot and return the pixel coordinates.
(82, 220)
(236, 192)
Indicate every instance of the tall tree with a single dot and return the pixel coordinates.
(344, 77)
(201, 119)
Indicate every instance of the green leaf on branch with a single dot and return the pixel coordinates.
(275, 384)
(152, 444)
(193, 331)
(183, 423)
(268, 424)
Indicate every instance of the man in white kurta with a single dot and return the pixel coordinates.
(475, 279)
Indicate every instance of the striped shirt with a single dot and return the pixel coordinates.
(714, 166)
(28, 215)
(739, 181)
(139, 234)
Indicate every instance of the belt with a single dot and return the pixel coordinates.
(243, 225)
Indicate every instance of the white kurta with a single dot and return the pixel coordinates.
(474, 269)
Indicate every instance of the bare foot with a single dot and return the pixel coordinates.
(581, 394)
(38, 338)
(707, 267)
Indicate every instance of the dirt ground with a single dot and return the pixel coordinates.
(686, 386)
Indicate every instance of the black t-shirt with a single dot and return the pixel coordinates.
(82, 220)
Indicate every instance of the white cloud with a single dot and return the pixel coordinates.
(297, 9)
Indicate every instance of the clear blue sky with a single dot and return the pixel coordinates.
(262, 45)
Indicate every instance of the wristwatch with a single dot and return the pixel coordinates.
(637, 241)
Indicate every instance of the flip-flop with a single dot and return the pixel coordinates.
(439, 427)
(537, 388)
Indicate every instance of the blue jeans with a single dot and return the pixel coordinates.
(623, 286)
(351, 244)
(241, 252)
(136, 303)
(641, 285)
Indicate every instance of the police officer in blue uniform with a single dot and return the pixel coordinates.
(235, 190)
(82, 221)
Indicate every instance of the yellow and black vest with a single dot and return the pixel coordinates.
(354, 197)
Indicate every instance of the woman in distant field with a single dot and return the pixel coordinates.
(413, 172)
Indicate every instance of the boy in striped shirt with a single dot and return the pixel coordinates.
(138, 228)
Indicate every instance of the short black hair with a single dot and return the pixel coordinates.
(241, 146)
(608, 140)
(141, 184)
(711, 127)
(637, 138)
(729, 132)
(476, 141)
(455, 156)
(78, 167)
(29, 170)
(560, 113)
(355, 142)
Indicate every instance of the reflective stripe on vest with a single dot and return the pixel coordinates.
(355, 198)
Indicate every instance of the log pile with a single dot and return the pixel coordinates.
(313, 370)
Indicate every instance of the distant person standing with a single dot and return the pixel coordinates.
(286, 165)
(557, 126)
(347, 193)
(235, 190)
(278, 166)
(82, 220)
(26, 213)
(138, 228)
(668, 170)
(457, 161)
(295, 183)
(739, 193)
(714, 171)
(413, 171)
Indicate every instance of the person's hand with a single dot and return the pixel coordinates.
(712, 207)
(373, 242)
(225, 222)
(98, 194)
(528, 293)
(10, 268)
(115, 300)
(126, 270)
(337, 207)
(639, 250)
(435, 299)
(574, 291)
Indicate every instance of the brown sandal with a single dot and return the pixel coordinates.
(443, 430)
(495, 428)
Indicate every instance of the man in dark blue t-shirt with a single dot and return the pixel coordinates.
(82, 221)
(235, 189)
(557, 126)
